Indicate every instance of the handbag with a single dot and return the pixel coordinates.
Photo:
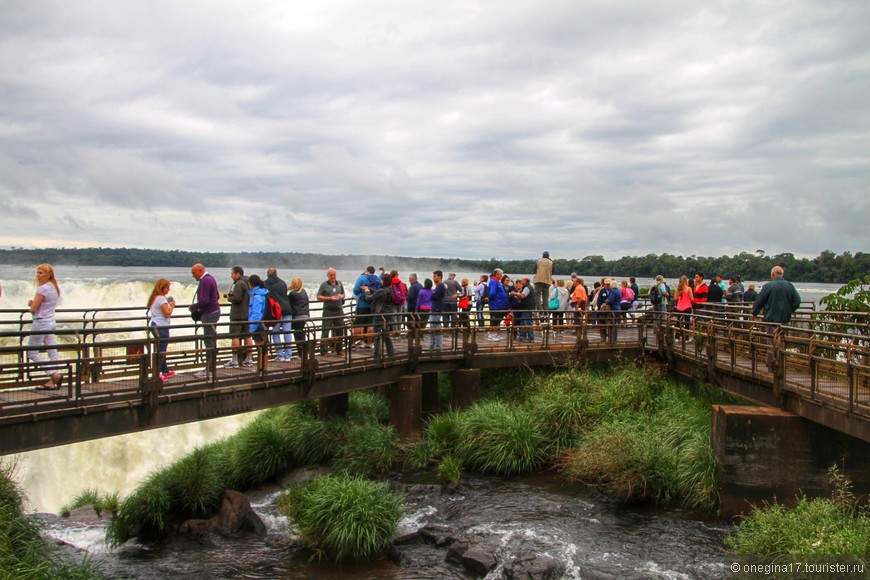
(554, 303)
(604, 307)
(196, 315)
(463, 303)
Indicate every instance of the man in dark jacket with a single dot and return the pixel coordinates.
(239, 296)
(282, 333)
(414, 288)
(778, 299)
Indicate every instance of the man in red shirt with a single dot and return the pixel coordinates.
(700, 293)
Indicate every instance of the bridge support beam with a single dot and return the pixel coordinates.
(766, 454)
(466, 388)
(333, 406)
(406, 406)
(430, 393)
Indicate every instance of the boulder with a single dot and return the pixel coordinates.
(235, 514)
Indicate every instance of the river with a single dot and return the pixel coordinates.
(582, 530)
(528, 523)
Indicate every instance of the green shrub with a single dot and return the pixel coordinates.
(342, 517)
(313, 441)
(506, 385)
(821, 526)
(93, 498)
(560, 405)
(660, 454)
(260, 451)
(442, 432)
(145, 510)
(499, 438)
(367, 407)
(616, 455)
(368, 450)
(194, 482)
(625, 388)
(419, 455)
(813, 526)
(450, 469)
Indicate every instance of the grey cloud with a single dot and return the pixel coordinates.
(610, 128)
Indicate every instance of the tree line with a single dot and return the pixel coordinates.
(827, 267)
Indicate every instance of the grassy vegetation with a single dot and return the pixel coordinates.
(92, 497)
(450, 470)
(24, 554)
(276, 440)
(645, 439)
(343, 517)
(835, 525)
(499, 438)
(626, 430)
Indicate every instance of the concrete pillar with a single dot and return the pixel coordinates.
(406, 406)
(430, 393)
(334, 406)
(466, 388)
(764, 453)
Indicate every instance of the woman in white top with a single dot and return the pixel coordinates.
(42, 307)
(160, 307)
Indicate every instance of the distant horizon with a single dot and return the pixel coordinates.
(826, 267)
(535, 256)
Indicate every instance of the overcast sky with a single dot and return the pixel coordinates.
(453, 129)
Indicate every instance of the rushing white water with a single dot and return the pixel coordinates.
(52, 477)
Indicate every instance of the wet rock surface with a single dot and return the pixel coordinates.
(531, 527)
(235, 515)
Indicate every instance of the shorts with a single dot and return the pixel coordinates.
(363, 318)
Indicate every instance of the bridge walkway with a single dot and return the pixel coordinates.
(823, 367)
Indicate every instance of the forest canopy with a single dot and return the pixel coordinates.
(827, 267)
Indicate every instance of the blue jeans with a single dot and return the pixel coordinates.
(435, 339)
(524, 320)
(161, 333)
(282, 336)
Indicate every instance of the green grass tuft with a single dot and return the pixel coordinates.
(342, 517)
(820, 526)
(499, 438)
(442, 432)
(93, 498)
(450, 470)
(366, 408)
(368, 450)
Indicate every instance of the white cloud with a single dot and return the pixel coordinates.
(454, 129)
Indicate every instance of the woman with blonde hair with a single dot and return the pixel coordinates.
(299, 305)
(160, 307)
(42, 307)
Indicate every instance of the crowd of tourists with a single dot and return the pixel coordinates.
(378, 303)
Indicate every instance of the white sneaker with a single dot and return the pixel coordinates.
(203, 374)
(248, 362)
(233, 364)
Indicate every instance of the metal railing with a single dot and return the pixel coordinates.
(109, 356)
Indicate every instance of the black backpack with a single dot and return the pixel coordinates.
(655, 297)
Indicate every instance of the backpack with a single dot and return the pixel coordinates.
(655, 297)
(271, 312)
(398, 293)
